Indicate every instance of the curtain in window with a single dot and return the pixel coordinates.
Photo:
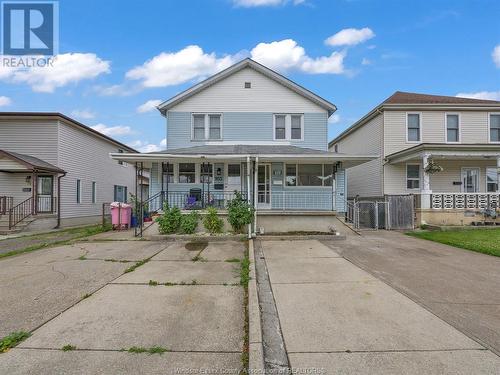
(199, 126)
(186, 173)
(280, 126)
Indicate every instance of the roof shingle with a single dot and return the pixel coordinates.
(400, 97)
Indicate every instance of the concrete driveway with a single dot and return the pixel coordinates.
(196, 312)
(459, 286)
(338, 318)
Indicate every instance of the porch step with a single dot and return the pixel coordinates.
(4, 225)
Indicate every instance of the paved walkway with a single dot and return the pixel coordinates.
(193, 309)
(335, 317)
(460, 286)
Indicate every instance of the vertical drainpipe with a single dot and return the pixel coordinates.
(59, 200)
(255, 193)
(248, 194)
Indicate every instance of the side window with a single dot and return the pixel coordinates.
(94, 192)
(78, 191)
(120, 194)
(413, 127)
(452, 128)
(495, 127)
(412, 176)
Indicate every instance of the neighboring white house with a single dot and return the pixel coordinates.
(414, 132)
(39, 150)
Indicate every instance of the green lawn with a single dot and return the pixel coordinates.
(485, 241)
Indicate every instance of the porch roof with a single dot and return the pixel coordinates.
(241, 152)
(25, 163)
(446, 151)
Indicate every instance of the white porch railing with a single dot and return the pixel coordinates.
(464, 201)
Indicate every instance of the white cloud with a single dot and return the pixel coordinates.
(365, 61)
(173, 68)
(145, 146)
(350, 37)
(83, 113)
(335, 118)
(486, 95)
(496, 56)
(163, 142)
(288, 55)
(150, 105)
(66, 69)
(264, 3)
(113, 131)
(5, 101)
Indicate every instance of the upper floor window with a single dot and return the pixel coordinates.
(207, 126)
(413, 127)
(495, 127)
(452, 128)
(288, 127)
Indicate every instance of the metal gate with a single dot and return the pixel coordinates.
(401, 213)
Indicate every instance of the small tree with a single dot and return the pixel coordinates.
(170, 221)
(212, 222)
(240, 213)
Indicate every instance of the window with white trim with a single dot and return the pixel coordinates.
(452, 128)
(233, 174)
(207, 126)
(288, 127)
(168, 173)
(308, 174)
(413, 127)
(412, 176)
(495, 127)
(491, 180)
(187, 173)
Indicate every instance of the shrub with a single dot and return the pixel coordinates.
(212, 222)
(170, 221)
(240, 213)
(189, 222)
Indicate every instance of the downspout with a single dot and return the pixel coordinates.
(248, 195)
(59, 200)
(255, 193)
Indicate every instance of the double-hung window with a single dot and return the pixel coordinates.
(187, 173)
(495, 127)
(168, 173)
(288, 127)
(491, 180)
(412, 176)
(413, 130)
(452, 128)
(78, 191)
(94, 192)
(207, 126)
(120, 193)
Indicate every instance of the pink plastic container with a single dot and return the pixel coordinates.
(121, 214)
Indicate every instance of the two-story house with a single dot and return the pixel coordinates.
(248, 129)
(445, 150)
(58, 171)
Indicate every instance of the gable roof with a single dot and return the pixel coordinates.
(247, 63)
(31, 162)
(67, 120)
(401, 97)
(411, 100)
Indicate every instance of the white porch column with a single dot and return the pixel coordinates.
(498, 173)
(426, 183)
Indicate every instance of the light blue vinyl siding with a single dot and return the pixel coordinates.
(341, 191)
(247, 127)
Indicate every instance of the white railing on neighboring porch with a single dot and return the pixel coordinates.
(464, 201)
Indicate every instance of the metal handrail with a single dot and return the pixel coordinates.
(20, 212)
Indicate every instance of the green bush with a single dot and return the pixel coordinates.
(212, 222)
(189, 222)
(240, 213)
(170, 221)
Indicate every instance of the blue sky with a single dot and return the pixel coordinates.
(117, 55)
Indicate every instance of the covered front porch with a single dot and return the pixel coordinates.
(449, 180)
(28, 187)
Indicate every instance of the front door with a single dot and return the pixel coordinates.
(264, 186)
(470, 180)
(45, 191)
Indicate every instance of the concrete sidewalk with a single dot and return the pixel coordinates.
(338, 318)
(197, 317)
